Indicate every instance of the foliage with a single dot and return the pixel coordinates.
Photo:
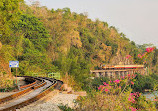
(116, 95)
(9, 12)
(65, 108)
(33, 30)
(6, 81)
(145, 82)
(97, 81)
(108, 102)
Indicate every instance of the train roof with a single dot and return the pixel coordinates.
(123, 66)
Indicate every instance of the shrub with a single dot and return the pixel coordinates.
(116, 95)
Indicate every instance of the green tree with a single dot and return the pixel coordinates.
(9, 12)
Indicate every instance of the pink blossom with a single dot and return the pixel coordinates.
(140, 56)
(131, 94)
(104, 83)
(117, 81)
(128, 56)
(149, 49)
(99, 88)
(119, 87)
(144, 54)
(132, 82)
(131, 99)
(101, 85)
(106, 90)
(134, 75)
(133, 109)
(110, 81)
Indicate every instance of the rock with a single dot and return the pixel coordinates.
(81, 93)
(65, 87)
(64, 92)
(69, 89)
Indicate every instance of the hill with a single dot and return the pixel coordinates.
(59, 40)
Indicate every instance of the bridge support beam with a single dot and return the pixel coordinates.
(97, 74)
(103, 74)
(109, 74)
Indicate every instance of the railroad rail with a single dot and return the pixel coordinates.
(33, 82)
(40, 87)
(27, 89)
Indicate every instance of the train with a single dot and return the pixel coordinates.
(106, 67)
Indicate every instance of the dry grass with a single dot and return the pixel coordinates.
(104, 102)
(69, 80)
(110, 102)
(5, 81)
(6, 78)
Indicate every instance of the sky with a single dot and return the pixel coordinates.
(137, 19)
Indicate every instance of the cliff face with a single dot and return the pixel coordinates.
(121, 59)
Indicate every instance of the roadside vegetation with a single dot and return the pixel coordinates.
(116, 95)
(141, 83)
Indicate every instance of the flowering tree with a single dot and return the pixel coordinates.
(122, 88)
(119, 85)
(143, 57)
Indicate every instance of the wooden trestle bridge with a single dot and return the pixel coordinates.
(118, 71)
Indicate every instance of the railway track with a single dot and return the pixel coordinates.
(39, 87)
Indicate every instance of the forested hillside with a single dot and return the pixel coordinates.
(44, 41)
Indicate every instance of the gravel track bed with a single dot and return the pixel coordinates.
(5, 94)
(51, 103)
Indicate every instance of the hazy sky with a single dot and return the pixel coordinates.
(137, 19)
